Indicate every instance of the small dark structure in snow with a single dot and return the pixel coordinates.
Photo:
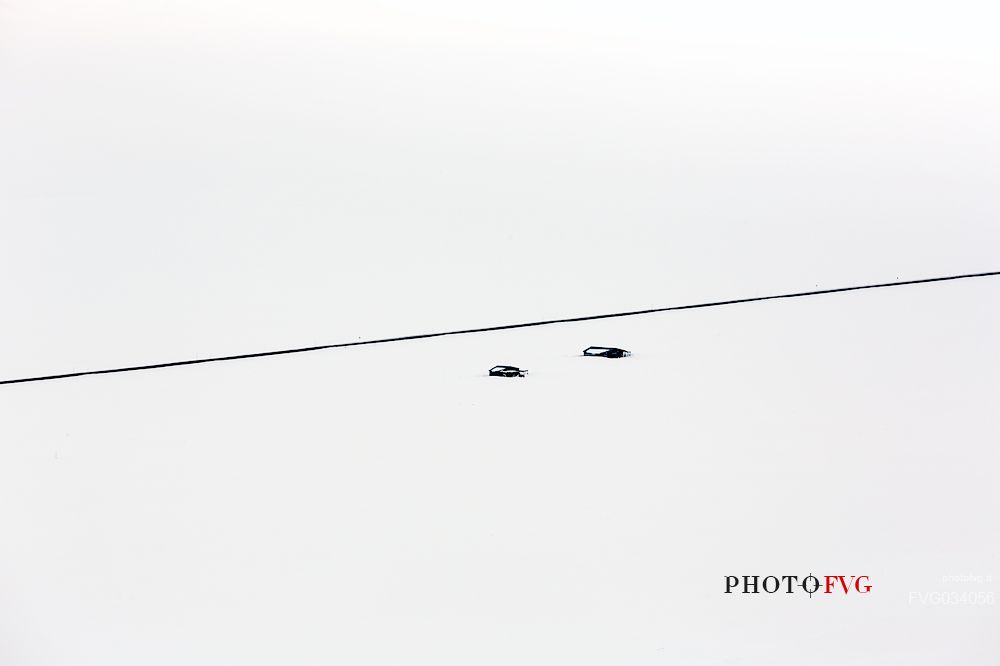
(507, 371)
(606, 352)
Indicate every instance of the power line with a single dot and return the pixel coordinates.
(486, 329)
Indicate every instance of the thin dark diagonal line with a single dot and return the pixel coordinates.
(486, 329)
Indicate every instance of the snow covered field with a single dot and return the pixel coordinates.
(392, 504)
(193, 178)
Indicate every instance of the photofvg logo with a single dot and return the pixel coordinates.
(792, 584)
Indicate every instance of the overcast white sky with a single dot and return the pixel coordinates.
(195, 178)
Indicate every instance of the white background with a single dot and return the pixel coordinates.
(185, 179)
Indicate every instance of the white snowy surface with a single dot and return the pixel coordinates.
(191, 178)
(392, 504)
(195, 178)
